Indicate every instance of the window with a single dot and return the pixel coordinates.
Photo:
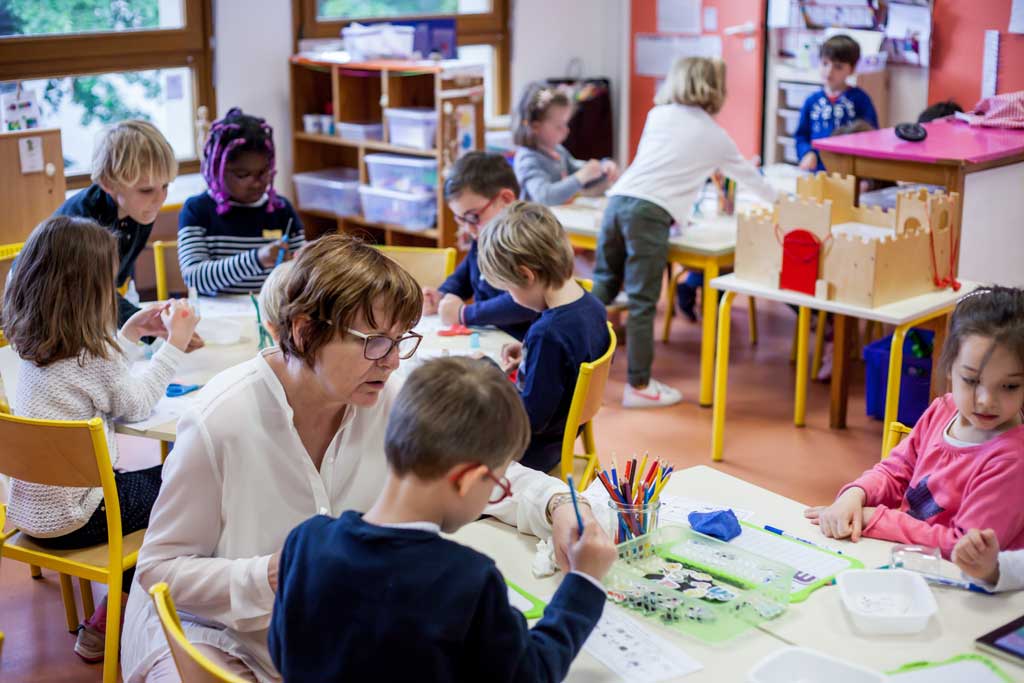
(92, 63)
(481, 26)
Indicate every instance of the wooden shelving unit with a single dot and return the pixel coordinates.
(360, 92)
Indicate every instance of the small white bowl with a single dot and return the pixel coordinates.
(886, 601)
(219, 332)
(789, 664)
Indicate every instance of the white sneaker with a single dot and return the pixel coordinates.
(654, 395)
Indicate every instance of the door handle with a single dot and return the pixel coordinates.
(747, 28)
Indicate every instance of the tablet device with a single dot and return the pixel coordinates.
(1006, 641)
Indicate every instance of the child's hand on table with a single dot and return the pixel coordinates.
(431, 298)
(267, 254)
(180, 320)
(610, 169)
(809, 162)
(977, 554)
(448, 309)
(145, 323)
(845, 517)
(511, 356)
(589, 171)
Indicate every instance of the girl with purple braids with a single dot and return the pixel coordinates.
(230, 236)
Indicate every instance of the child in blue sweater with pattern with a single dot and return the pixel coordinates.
(836, 104)
(526, 251)
(479, 186)
(383, 596)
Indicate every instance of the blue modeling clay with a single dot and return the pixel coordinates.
(721, 524)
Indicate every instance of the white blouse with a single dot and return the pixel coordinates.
(237, 482)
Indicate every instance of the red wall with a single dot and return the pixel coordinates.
(958, 34)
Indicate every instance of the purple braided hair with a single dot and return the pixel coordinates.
(236, 132)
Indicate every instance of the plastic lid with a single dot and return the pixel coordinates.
(424, 113)
(395, 194)
(399, 160)
(335, 173)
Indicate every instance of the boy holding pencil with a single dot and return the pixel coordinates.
(353, 589)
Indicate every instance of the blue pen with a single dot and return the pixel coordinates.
(780, 532)
(284, 244)
(575, 503)
(943, 581)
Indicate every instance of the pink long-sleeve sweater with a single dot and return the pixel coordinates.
(930, 492)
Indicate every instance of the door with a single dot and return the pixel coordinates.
(741, 26)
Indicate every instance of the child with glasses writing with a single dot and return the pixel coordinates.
(479, 187)
(383, 595)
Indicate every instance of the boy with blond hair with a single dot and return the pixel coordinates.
(525, 251)
(384, 596)
(131, 169)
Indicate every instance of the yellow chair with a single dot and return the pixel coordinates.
(3, 521)
(191, 664)
(893, 435)
(586, 401)
(160, 249)
(430, 266)
(71, 453)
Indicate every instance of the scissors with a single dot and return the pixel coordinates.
(174, 390)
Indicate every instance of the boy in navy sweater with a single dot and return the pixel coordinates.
(526, 251)
(478, 188)
(383, 596)
(836, 104)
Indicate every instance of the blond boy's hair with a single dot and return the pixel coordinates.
(131, 152)
(695, 81)
(271, 296)
(525, 235)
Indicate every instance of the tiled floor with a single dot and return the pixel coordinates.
(762, 446)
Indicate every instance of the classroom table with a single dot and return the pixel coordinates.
(819, 622)
(984, 165)
(707, 243)
(903, 314)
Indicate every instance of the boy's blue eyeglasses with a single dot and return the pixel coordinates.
(378, 346)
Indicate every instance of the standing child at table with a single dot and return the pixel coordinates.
(681, 146)
(478, 188)
(383, 596)
(962, 466)
(836, 104)
(526, 251)
(60, 315)
(131, 169)
(978, 556)
(547, 172)
(232, 235)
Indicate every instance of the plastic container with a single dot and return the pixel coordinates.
(886, 601)
(630, 521)
(790, 664)
(915, 380)
(332, 190)
(413, 211)
(379, 41)
(788, 150)
(353, 130)
(790, 119)
(404, 174)
(797, 93)
(311, 123)
(414, 127)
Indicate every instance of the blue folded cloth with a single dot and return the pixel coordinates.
(721, 524)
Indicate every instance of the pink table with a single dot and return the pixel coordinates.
(984, 165)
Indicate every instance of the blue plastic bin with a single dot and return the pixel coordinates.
(915, 383)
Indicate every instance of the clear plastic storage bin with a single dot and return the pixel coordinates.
(413, 211)
(412, 127)
(789, 150)
(797, 93)
(404, 174)
(354, 130)
(790, 120)
(333, 190)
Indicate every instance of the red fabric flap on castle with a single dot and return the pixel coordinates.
(801, 253)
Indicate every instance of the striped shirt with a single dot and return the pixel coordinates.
(218, 252)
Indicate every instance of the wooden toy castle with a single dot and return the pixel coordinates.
(819, 243)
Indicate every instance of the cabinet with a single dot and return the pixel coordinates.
(28, 198)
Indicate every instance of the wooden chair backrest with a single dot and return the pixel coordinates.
(428, 265)
(52, 452)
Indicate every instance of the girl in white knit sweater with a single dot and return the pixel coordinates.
(60, 315)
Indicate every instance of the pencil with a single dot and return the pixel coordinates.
(281, 254)
(575, 503)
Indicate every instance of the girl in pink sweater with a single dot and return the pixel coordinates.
(962, 467)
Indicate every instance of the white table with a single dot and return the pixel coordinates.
(707, 243)
(819, 622)
(903, 314)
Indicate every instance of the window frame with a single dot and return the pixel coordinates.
(57, 56)
(488, 28)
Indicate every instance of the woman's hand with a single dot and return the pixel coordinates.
(564, 531)
(511, 356)
(145, 323)
(448, 308)
(845, 517)
(431, 298)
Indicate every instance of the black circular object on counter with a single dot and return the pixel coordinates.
(912, 132)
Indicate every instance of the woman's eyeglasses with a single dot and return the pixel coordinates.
(378, 346)
(473, 217)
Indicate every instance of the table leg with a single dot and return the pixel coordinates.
(671, 300)
(840, 385)
(803, 334)
(721, 377)
(752, 315)
(892, 389)
(709, 299)
(819, 344)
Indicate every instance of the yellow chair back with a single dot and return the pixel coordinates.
(586, 283)
(191, 664)
(586, 402)
(429, 265)
(893, 435)
(160, 249)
